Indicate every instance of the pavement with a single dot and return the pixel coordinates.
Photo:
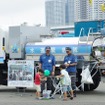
(11, 96)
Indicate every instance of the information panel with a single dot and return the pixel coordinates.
(20, 73)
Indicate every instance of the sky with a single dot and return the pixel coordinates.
(16, 12)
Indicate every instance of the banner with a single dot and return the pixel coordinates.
(103, 7)
(58, 49)
(90, 2)
(20, 73)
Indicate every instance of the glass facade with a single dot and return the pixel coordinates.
(70, 4)
(59, 12)
(89, 11)
(55, 10)
(66, 12)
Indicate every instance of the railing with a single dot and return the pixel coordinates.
(87, 37)
(82, 30)
(83, 39)
(90, 29)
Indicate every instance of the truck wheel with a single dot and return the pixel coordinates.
(90, 87)
(96, 80)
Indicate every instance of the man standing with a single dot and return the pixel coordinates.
(70, 62)
(47, 62)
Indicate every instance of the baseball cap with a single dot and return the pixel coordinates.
(47, 48)
(68, 49)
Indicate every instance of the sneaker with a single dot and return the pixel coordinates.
(39, 98)
(65, 99)
(71, 98)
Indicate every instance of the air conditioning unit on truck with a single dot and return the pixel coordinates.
(23, 46)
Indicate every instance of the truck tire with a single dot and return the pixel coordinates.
(96, 80)
(90, 87)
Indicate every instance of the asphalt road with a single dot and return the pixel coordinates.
(10, 96)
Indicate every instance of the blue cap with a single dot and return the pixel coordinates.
(68, 49)
(47, 48)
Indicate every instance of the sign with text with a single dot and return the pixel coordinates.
(58, 49)
(20, 73)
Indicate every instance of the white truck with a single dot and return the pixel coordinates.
(89, 53)
(25, 45)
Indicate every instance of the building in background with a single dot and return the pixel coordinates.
(89, 9)
(65, 12)
(59, 12)
(97, 11)
(55, 12)
(70, 12)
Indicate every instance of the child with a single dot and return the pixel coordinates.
(38, 79)
(65, 82)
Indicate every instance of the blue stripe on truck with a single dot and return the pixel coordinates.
(57, 49)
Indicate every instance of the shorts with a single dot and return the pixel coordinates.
(38, 88)
(69, 88)
(66, 88)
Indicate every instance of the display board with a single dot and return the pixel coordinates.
(20, 73)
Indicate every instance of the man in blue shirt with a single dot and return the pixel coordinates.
(70, 62)
(47, 62)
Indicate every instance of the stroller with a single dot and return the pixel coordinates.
(48, 93)
(58, 87)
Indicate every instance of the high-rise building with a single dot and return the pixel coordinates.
(66, 12)
(76, 10)
(70, 11)
(96, 9)
(59, 12)
(55, 12)
(89, 9)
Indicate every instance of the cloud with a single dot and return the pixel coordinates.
(17, 6)
(14, 12)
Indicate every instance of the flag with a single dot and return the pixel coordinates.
(103, 7)
(90, 2)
